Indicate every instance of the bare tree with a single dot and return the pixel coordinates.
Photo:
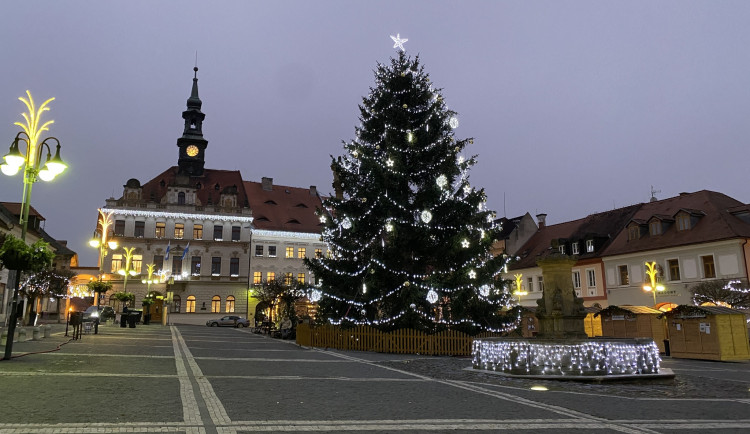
(722, 292)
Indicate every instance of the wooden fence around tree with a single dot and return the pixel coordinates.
(403, 341)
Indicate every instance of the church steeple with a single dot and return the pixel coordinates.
(192, 145)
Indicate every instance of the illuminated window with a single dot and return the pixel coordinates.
(318, 253)
(215, 266)
(257, 276)
(216, 304)
(140, 229)
(624, 278)
(290, 252)
(218, 232)
(591, 276)
(709, 271)
(301, 252)
(287, 278)
(176, 301)
(136, 262)
(195, 265)
(179, 231)
(674, 269)
(119, 228)
(271, 251)
(230, 304)
(683, 222)
(190, 305)
(197, 232)
(116, 263)
(161, 230)
(270, 276)
(301, 277)
(235, 233)
(234, 267)
(258, 250)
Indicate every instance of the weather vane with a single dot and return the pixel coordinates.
(398, 42)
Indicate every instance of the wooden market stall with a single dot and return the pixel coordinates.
(633, 322)
(708, 332)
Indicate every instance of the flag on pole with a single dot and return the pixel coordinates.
(184, 252)
(166, 255)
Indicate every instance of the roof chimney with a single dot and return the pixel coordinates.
(267, 183)
(541, 218)
(313, 191)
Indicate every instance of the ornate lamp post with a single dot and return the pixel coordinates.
(151, 279)
(32, 171)
(100, 241)
(127, 271)
(519, 292)
(654, 286)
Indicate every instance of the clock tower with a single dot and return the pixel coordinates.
(192, 145)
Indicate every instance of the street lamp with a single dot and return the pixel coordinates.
(654, 287)
(127, 271)
(151, 279)
(519, 292)
(100, 242)
(31, 162)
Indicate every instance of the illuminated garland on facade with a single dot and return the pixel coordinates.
(178, 215)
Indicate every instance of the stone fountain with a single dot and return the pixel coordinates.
(561, 349)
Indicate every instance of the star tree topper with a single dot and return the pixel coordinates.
(398, 42)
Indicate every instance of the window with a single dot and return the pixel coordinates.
(197, 232)
(176, 265)
(270, 276)
(301, 252)
(272, 251)
(540, 282)
(674, 269)
(654, 228)
(290, 252)
(116, 262)
(683, 222)
(179, 231)
(318, 253)
(158, 262)
(709, 271)
(530, 285)
(161, 230)
(176, 301)
(119, 228)
(287, 278)
(235, 233)
(140, 229)
(218, 233)
(300, 277)
(136, 262)
(258, 250)
(257, 276)
(591, 276)
(561, 249)
(215, 266)
(234, 267)
(589, 246)
(230, 304)
(181, 198)
(623, 272)
(634, 232)
(215, 304)
(190, 306)
(574, 247)
(577, 279)
(195, 265)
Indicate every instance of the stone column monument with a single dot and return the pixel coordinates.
(560, 312)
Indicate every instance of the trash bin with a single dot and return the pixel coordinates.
(124, 320)
(132, 318)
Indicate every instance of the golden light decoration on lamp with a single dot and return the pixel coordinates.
(654, 286)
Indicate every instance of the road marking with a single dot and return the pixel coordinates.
(190, 410)
(266, 359)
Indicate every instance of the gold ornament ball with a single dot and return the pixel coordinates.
(403, 74)
(405, 106)
(377, 147)
(407, 283)
(471, 141)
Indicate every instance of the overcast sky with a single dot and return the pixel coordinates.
(575, 106)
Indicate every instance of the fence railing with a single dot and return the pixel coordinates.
(403, 341)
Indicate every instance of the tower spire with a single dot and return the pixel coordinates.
(192, 144)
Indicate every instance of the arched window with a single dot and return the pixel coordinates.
(230, 304)
(176, 301)
(190, 307)
(181, 198)
(216, 304)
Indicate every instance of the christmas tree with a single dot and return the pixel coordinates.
(408, 236)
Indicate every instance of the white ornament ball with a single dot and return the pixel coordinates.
(432, 296)
(413, 306)
(346, 223)
(484, 290)
(453, 122)
(442, 181)
(315, 295)
(426, 216)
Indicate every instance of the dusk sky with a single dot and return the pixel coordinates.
(575, 107)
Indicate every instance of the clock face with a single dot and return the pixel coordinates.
(192, 150)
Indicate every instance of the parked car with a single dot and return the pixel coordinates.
(99, 313)
(229, 321)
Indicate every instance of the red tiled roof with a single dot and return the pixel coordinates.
(211, 184)
(15, 209)
(284, 208)
(716, 224)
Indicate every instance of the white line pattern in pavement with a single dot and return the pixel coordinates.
(190, 410)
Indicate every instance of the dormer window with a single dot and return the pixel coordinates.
(561, 249)
(634, 232)
(683, 222)
(589, 246)
(270, 202)
(574, 248)
(654, 228)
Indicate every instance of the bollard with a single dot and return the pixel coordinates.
(21, 335)
(36, 333)
(47, 330)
